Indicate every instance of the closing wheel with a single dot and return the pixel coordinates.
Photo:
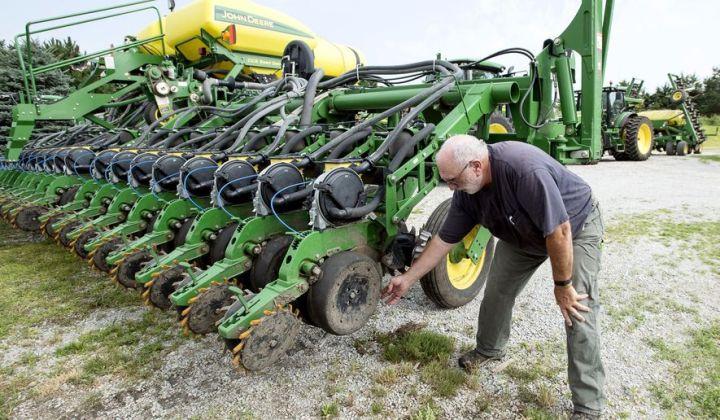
(267, 265)
(697, 149)
(99, 257)
(346, 293)
(27, 218)
(62, 235)
(682, 148)
(267, 340)
(200, 317)
(47, 227)
(637, 134)
(125, 272)
(82, 240)
(158, 291)
(670, 148)
(456, 281)
(217, 247)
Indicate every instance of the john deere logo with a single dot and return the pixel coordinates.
(239, 17)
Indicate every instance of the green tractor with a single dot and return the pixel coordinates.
(627, 135)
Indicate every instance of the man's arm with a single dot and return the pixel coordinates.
(560, 249)
(435, 251)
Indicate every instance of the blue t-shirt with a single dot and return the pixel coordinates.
(530, 195)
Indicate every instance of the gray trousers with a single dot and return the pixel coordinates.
(510, 271)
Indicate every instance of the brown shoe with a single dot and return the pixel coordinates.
(473, 360)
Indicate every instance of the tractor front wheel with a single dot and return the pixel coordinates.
(637, 134)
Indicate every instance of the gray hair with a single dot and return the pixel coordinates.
(465, 148)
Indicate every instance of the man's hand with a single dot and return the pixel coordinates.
(398, 286)
(569, 302)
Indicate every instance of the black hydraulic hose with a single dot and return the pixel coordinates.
(251, 145)
(174, 136)
(272, 147)
(353, 75)
(110, 141)
(294, 196)
(407, 148)
(430, 93)
(446, 85)
(194, 140)
(157, 137)
(253, 118)
(357, 212)
(310, 92)
(297, 138)
(341, 148)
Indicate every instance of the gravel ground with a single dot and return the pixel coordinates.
(196, 379)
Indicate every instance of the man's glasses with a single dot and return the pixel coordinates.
(453, 180)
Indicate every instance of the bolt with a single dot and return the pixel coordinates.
(316, 270)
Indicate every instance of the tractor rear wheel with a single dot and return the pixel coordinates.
(499, 124)
(637, 134)
(454, 284)
(346, 294)
(670, 148)
(682, 148)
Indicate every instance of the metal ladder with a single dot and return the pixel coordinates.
(689, 108)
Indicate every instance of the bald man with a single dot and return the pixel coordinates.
(537, 209)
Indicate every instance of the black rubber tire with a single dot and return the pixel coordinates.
(68, 195)
(27, 218)
(99, 258)
(497, 118)
(82, 240)
(697, 149)
(204, 312)
(127, 269)
(436, 284)
(670, 148)
(346, 294)
(62, 235)
(266, 266)
(163, 286)
(682, 148)
(629, 132)
(218, 246)
(150, 115)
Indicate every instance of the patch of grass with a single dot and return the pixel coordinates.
(536, 369)
(330, 410)
(482, 403)
(131, 349)
(535, 413)
(92, 402)
(387, 376)
(445, 381)
(696, 235)
(695, 383)
(541, 396)
(417, 345)
(378, 391)
(43, 283)
(376, 408)
(708, 158)
(428, 411)
(11, 388)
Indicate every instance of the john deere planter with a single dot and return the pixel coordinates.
(275, 186)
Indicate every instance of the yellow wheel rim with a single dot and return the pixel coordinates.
(644, 138)
(677, 96)
(464, 273)
(496, 128)
(157, 114)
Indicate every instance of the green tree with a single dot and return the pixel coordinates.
(54, 83)
(709, 101)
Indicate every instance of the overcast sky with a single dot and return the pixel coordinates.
(649, 38)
